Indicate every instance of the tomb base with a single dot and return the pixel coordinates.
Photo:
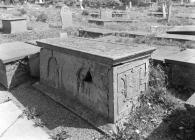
(75, 107)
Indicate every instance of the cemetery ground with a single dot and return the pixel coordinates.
(161, 113)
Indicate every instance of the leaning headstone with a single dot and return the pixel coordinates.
(66, 16)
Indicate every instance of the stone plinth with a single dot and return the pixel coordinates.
(14, 25)
(182, 30)
(182, 68)
(14, 63)
(108, 21)
(94, 32)
(102, 76)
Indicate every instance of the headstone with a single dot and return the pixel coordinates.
(66, 16)
(102, 76)
(164, 10)
(14, 62)
(63, 35)
(106, 14)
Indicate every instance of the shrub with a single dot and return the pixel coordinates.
(42, 17)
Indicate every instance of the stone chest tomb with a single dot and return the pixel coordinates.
(14, 25)
(14, 62)
(102, 76)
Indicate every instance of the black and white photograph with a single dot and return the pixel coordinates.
(97, 69)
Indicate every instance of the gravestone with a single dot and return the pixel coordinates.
(14, 25)
(106, 14)
(101, 76)
(66, 17)
(14, 62)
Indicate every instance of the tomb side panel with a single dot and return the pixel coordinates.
(18, 26)
(130, 80)
(78, 78)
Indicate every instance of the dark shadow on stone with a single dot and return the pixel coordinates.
(51, 113)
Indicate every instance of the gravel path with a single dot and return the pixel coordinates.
(54, 116)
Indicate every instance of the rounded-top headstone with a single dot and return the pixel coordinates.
(66, 16)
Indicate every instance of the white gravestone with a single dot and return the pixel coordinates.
(66, 16)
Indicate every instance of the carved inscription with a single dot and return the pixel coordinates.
(130, 83)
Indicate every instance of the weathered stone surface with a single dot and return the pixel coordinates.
(105, 14)
(66, 16)
(14, 25)
(8, 115)
(94, 32)
(13, 126)
(105, 21)
(34, 64)
(102, 76)
(182, 67)
(184, 30)
(14, 65)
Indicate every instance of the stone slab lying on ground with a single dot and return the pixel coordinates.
(14, 25)
(191, 15)
(94, 32)
(156, 13)
(95, 73)
(158, 36)
(6, 7)
(163, 52)
(182, 70)
(104, 21)
(8, 115)
(14, 62)
(14, 126)
(158, 55)
(183, 30)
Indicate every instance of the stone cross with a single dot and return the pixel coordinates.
(66, 16)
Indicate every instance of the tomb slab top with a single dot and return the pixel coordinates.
(16, 50)
(189, 28)
(111, 20)
(109, 53)
(13, 18)
(187, 56)
(97, 30)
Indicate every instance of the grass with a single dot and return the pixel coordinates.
(60, 135)
(32, 114)
(158, 114)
